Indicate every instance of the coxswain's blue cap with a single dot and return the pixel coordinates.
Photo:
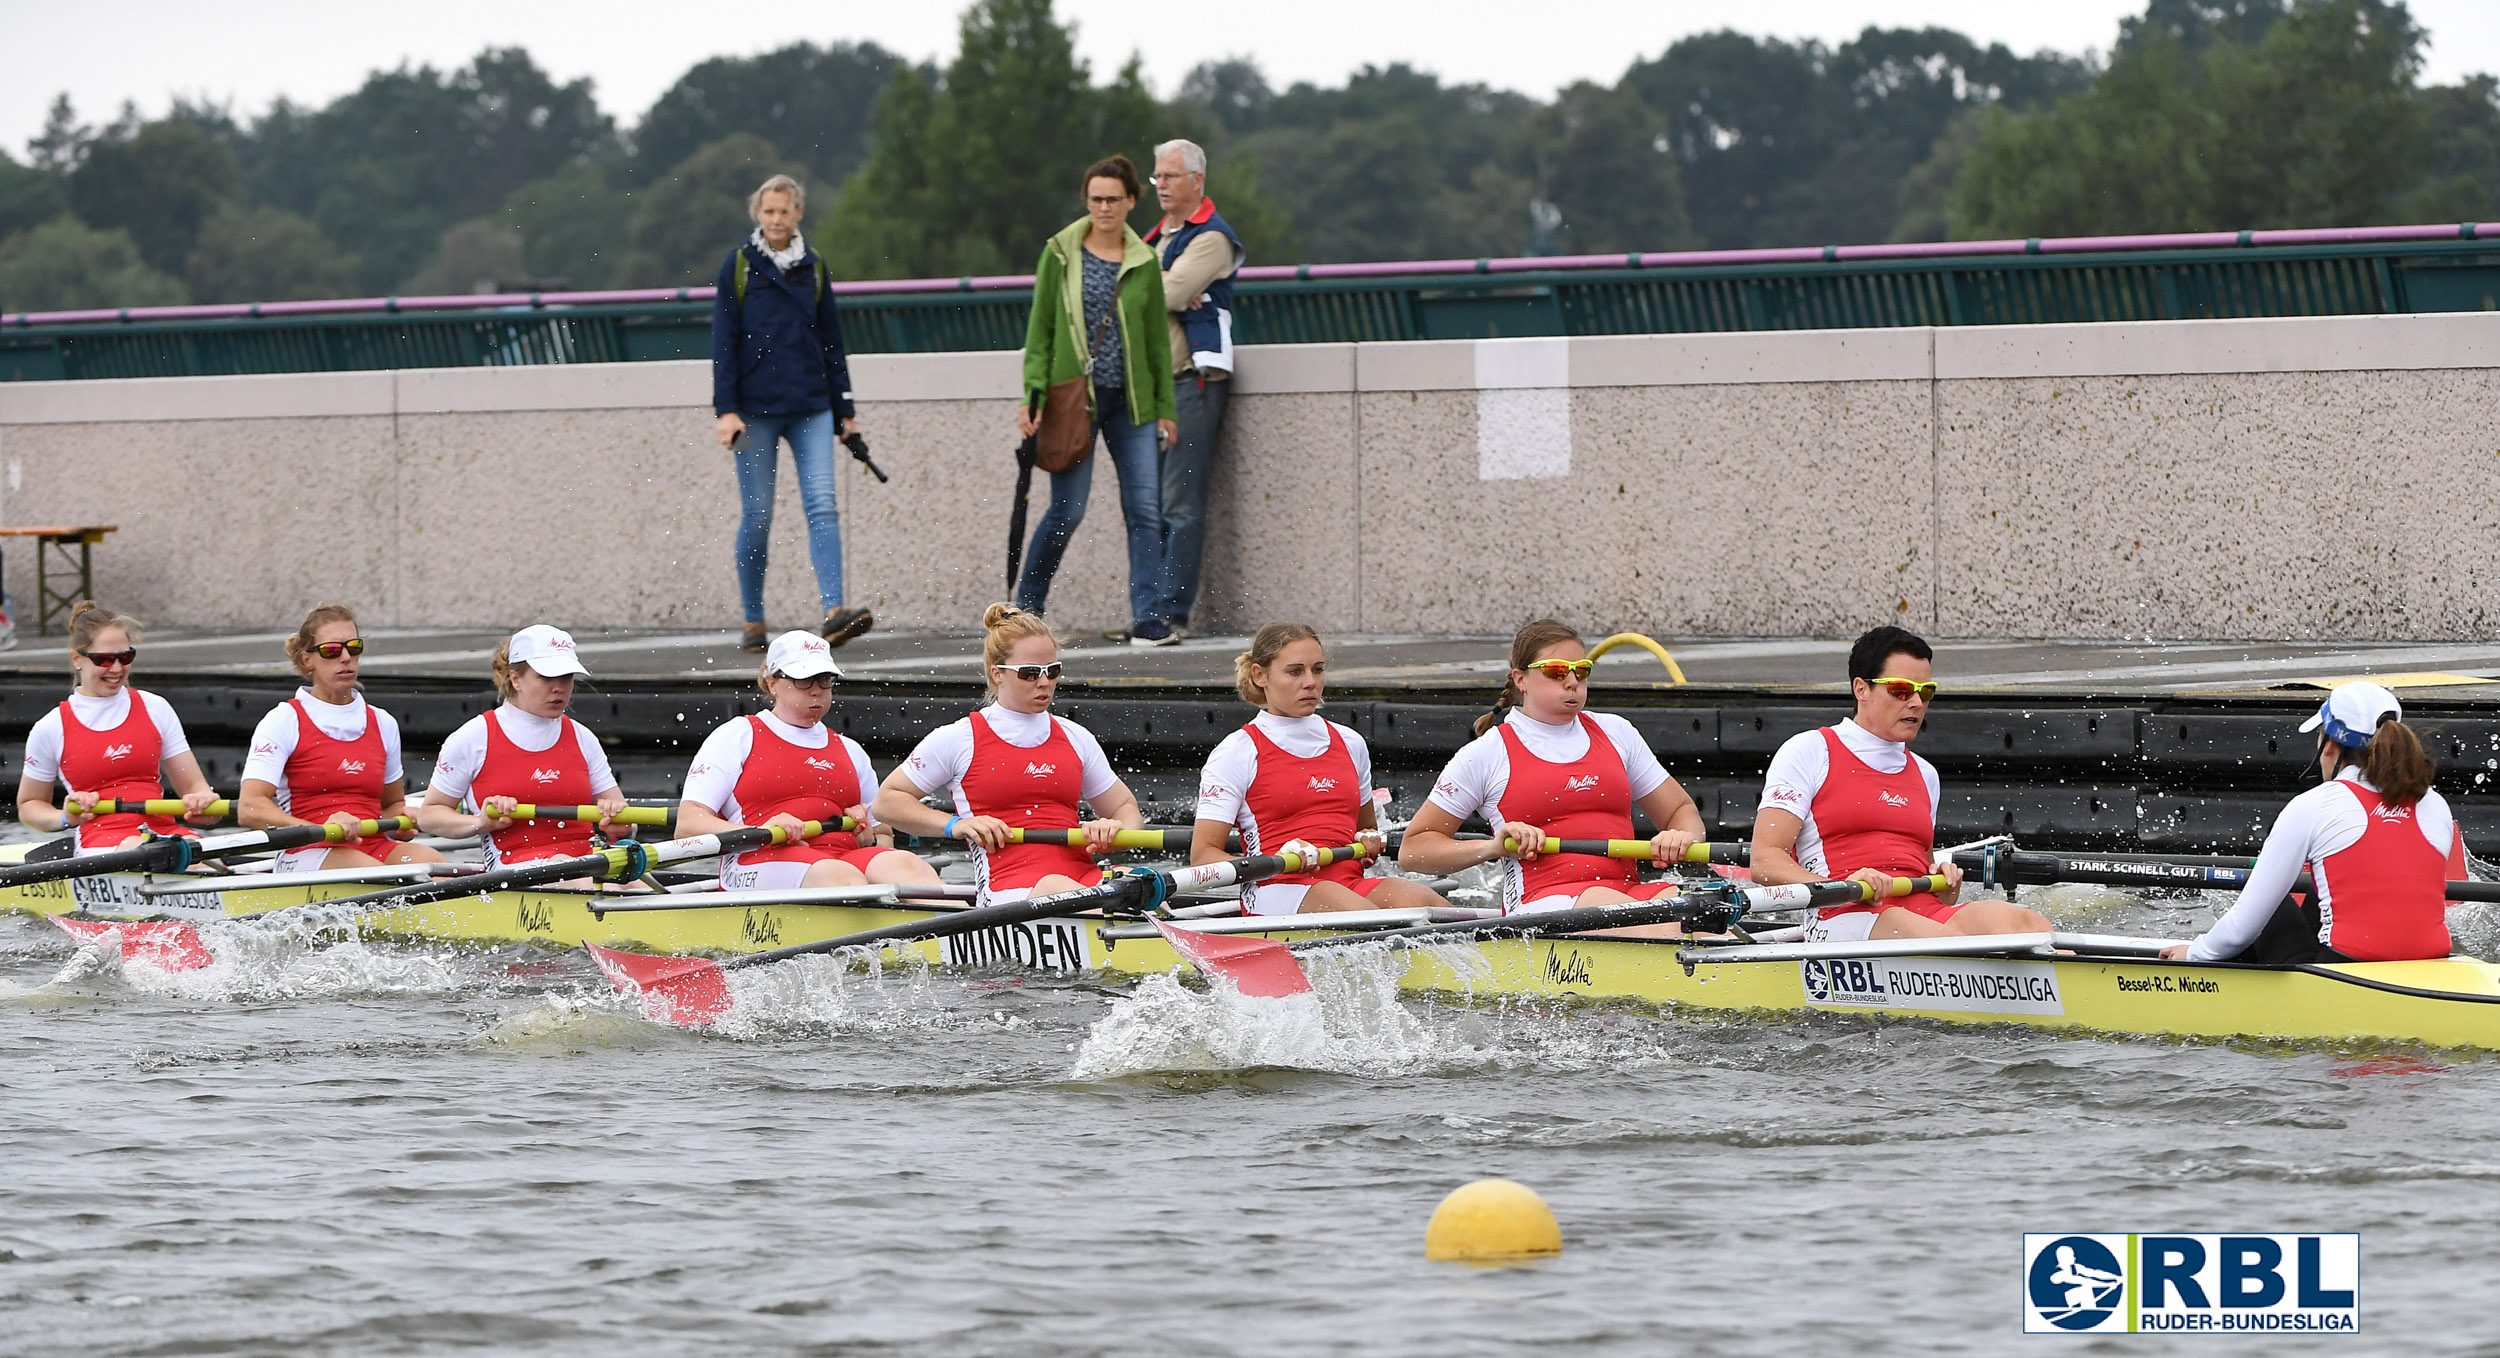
(2352, 712)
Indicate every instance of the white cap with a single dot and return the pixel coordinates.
(2351, 713)
(547, 650)
(800, 655)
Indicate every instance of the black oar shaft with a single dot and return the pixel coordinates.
(2040, 869)
(173, 853)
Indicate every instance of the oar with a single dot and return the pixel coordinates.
(173, 944)
(1700, 851)
(1265, 967)
(164, 806)
(632, 815)
(2035, 869)
(694, 991)
(1166, 839)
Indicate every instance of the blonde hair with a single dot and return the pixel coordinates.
(1532, 641)
(780, 183)
(87, 618)
(502, 666)
(1264, 648)
(1004, 625)
(299, 647)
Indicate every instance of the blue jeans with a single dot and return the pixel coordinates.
(1133, 455)
(811, 451)
(1186, 467)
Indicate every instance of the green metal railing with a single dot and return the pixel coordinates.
(1992, 283)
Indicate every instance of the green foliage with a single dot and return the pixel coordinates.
(160, 185)
(814, 103)
(29, 197)
(2464, 180)
(575, 226)
(689, 219)
(66, 265)
(2315, 123)
(1607, 167)
(1267, 231)
(265, 254)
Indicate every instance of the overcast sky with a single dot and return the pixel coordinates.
(252, 51)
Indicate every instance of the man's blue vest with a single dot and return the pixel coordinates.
(1208, 328)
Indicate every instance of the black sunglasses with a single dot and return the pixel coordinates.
(125, 658)
(332, 650)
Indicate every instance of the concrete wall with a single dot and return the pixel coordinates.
(2221, 479)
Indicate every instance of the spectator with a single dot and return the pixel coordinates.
(1200, 255)
(779, 372)
(1097, 279)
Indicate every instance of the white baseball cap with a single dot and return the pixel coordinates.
(800, 655)
(2351, 713)
(547, 650)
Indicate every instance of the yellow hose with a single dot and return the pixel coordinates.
(1674, 671)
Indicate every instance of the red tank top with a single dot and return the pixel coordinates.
(556, 776)
(1314, 799)
(1873, 820)
(809, 784)
(1031, 789)
(327, 775)
(1588, 798)
(120, 764)
(2385, 895)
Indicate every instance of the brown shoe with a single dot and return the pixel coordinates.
(752, 639)
(842, 624)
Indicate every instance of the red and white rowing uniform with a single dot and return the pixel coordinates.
(755, 768)
(1280, 779)
(2381, 871)
(1027, 769)
(1578, 780)
(324, 758)
(109, 747)
(1867, 802)
(544, 761)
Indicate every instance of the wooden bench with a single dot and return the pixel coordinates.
(56, 538)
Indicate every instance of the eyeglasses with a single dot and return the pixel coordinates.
(1031, 674)
(332, 650)
(125, 659)
(1906, 689)
(1559, 670)
(1157, 179)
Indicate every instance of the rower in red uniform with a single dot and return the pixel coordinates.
(108, 739)
(2379, 845)
(1014, 765)
(1851, 801)
(526, 751)
(786, 767)
(1540, 765)
(326, 756)
(1292, 781)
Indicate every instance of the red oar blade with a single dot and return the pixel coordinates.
(687, 991)
(168, 944)
(1256, 966)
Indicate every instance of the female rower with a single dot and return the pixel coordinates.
(1541, 765)
(108, 739)
(525, 752)
(1293, 779)
(326, 756)
(2380, 847)
(786, 767)
(1012, 765)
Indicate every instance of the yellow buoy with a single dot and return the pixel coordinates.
(1492, 1221)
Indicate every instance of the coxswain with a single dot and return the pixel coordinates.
(108, 740)
(1012, 765)
(1542, 765)
(328, 757)
(2379, 845)
(525, 752)
(1851, 801)
(786, 767)
(1292, 781)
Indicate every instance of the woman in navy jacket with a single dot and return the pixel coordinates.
(779, 372)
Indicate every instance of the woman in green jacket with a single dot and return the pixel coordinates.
(1098, 313)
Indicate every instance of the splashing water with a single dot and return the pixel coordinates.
(263, 965)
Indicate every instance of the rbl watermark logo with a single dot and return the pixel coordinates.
(2191, 1283)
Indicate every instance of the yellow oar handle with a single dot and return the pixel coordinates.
(1907, 886)
(337, 834)
(812, 829)
(632, 815)
(165, 806)
(1121, 839)
(1674, 671)
(1698, 852)
(1338, 854)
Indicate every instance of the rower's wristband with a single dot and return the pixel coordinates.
(950, 826)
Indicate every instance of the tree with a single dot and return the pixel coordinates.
(160, 185)
(28, 197)
(63, 141)
(815, 103)
(266, 254)
(476, 256)
(2464, 180)
(575, 226)
(66, 265)
(1607, 165)
(689, 219)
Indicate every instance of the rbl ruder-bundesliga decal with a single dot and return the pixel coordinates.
(2189, 1283)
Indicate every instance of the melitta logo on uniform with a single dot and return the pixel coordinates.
(826, 765)
(1323, 784)
(112, 752)
(1041, 770)
(1893, 799)
(2392, 812)
(1579, 782)
(351, 766)
(2189, 1283)
(545, 775)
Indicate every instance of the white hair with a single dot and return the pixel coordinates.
(780, 183)
(1193, 156)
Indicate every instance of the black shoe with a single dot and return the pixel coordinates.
(842, 624)
(1151, 632)
(752, 639)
